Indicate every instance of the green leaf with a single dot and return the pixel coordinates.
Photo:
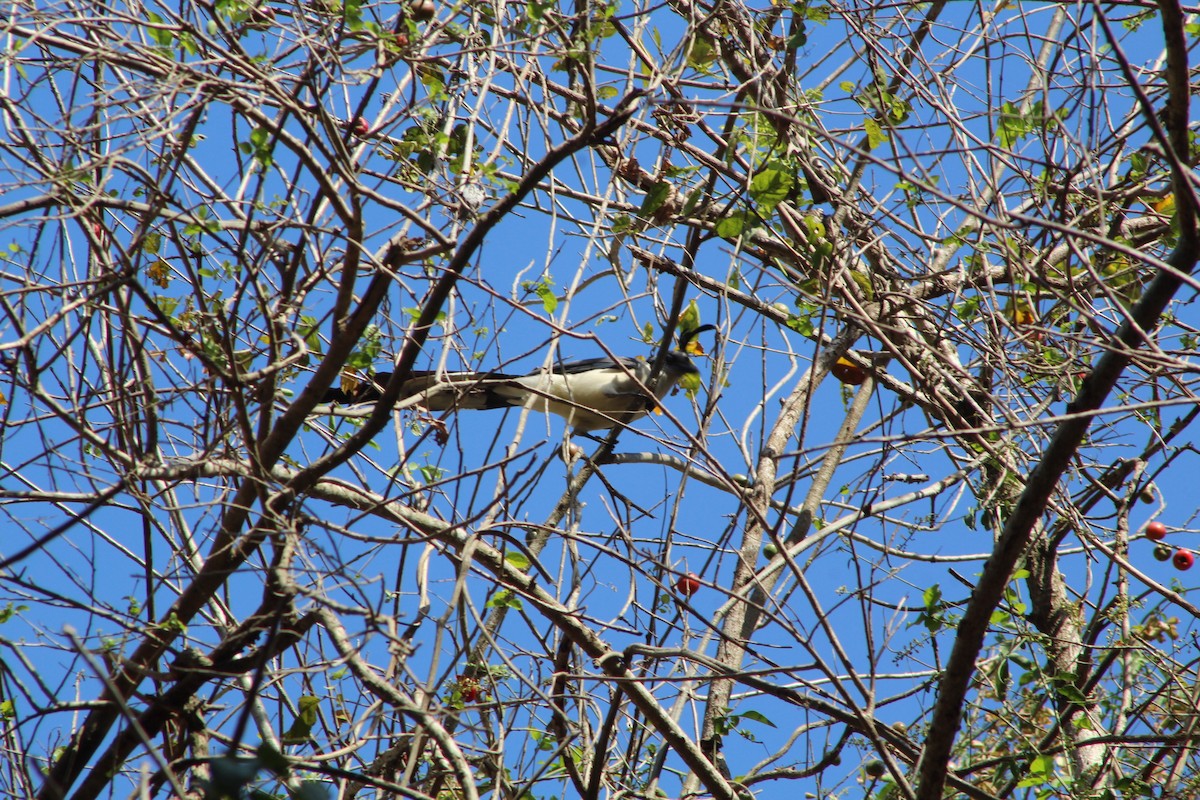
(368, 348)
(261, 145)
(1013, 597)
(772, 185)
(505, 599)
(658, 194)
(702, 53)
(864, 283)
(306, 717)
(690, 384)
(1003, 678)
(430, 473)
(1071, 693)
(1011, 125)
(757, 717)
(734, 225)
(689, 318)
(432, 78)
(310, 330)
(875, 134)
(968, 309)
(1041, 772)
(801, 324)
(933, 617)
(161, 37)
(544, 289)
(517, 559)
(693, 199)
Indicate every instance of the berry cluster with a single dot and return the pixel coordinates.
(1182, 559)
(466, 690)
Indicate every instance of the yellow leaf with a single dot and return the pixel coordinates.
(1021, 313)
(1165, 205)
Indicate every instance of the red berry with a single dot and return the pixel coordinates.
(1183, 560)
(101, 235)
(359, 126)
(1162, 552)
(1156, 531)
(688, 585)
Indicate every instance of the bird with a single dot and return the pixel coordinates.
(592, 394)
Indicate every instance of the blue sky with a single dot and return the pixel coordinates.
(630, 535)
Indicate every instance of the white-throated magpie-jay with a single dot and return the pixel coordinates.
(591, 395)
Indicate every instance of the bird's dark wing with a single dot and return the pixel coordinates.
(589, 364)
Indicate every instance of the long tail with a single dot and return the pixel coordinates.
(441, 391)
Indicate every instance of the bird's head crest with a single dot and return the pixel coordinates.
(687, 340)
